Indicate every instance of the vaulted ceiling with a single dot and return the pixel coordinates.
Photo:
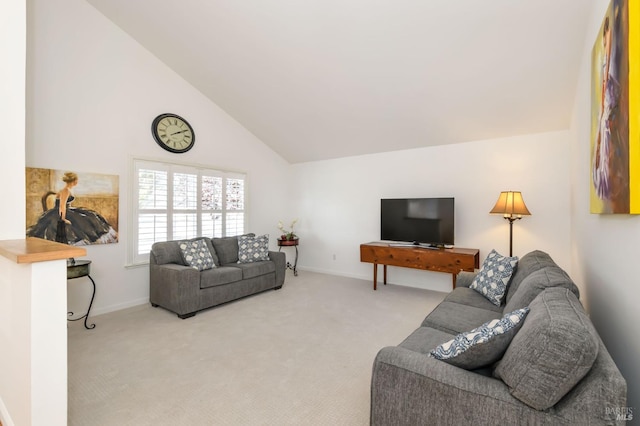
(321, 79)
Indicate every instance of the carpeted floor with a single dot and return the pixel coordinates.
(301, 355)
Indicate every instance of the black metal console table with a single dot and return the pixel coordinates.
(78, 269)
(290, 243)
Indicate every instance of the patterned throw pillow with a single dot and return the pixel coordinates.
(494, 276)
(481, 346)
(253, 248)
(196, 254)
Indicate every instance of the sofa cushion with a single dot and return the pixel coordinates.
(253, 248)
(167, 252)
(455, 318)
(529, 263)
(196, 254)
(219, 276)
(481, 346)
(536, 282)
(494, 276)
(256, 269)
(553, 350)
(425, 339)
(227, 249)
(469, 297)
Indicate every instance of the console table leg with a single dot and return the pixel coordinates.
(454, 277)
(293, 267)
(375, 276)
(385, 274)
(86, 316)
(90, 304)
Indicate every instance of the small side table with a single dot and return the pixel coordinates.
(77, 269)
(290, 243)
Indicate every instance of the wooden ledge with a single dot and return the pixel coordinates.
(31, 250)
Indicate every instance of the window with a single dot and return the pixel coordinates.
(174, 202)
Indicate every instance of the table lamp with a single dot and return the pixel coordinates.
(511, 205)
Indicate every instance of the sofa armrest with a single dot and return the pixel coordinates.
(280, 260)
(410, 388)
(175, 287)
(464, 278)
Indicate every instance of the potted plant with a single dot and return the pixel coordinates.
(288, 234)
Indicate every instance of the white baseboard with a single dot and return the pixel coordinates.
(365, 277)
(119, 306)
(337, 273)
(369, 277)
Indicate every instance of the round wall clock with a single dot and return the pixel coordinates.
(173, 133)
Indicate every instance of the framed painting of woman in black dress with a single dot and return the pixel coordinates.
(72, 208)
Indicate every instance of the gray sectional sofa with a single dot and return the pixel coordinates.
(555, 370)
(185, 290)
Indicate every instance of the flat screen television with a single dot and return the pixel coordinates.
(419, 221)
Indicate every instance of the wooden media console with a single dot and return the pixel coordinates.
(451, 260)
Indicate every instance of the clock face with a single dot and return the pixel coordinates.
(173, 133)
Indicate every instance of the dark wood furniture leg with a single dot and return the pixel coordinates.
(375, 276)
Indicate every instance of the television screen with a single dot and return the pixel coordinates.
(427, 221)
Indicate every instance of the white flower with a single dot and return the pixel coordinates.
(290, 234)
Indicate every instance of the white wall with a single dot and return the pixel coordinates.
(604, 247)
(13, 24)
(92, 93)
(339, 201)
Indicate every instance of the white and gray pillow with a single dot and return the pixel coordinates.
(252, 248)
(196, 254)
(483, 345)
(494, 276)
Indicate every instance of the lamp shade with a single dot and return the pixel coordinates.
(510, 204)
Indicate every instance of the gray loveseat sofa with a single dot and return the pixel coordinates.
(185, 290)
(555, 370)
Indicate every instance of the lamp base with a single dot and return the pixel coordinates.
(511, 220)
